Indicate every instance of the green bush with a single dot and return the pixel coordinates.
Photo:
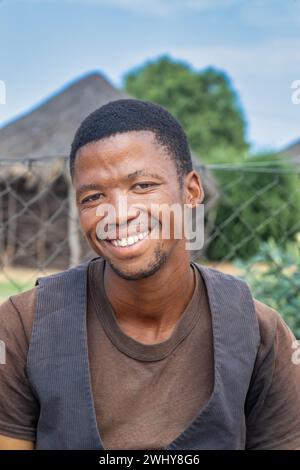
(260, 200)
(274, 276)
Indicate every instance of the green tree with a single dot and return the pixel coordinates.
(203, 101)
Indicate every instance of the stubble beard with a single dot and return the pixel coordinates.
(159, 259)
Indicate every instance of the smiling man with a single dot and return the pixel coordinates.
(141, 348)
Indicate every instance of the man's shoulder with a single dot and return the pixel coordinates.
(22, 301)
(26, 300)
(17, 312)
(277, 339)
(268, 319)
(71, 271)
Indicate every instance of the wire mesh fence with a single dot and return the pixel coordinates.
(40, 233)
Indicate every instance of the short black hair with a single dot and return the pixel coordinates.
(127, 115)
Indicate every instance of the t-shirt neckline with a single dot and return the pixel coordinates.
(126, 344)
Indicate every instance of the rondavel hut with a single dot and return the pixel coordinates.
(38, 219)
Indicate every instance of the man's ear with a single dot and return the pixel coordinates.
(193, 188)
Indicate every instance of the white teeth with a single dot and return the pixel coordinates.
(130, 240)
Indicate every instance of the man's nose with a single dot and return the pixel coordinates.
(117, 216)
(124, 210)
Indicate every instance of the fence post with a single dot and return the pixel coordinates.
(73, 229)
(42, 233)
(11, 241)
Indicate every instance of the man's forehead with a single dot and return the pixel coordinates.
(120, 140)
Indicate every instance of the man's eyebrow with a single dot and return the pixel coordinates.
(88, 187)
(143, 173)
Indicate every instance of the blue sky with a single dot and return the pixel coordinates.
(46, 43)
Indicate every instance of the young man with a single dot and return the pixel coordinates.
(140, 348)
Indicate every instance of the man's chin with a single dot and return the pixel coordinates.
(132, 273)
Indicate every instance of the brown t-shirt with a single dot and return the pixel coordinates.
(136, 387)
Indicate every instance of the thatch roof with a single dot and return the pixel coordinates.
(48, 130)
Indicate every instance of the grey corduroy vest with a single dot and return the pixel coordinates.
(58, 365)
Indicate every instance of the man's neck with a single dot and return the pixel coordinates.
(148, 309)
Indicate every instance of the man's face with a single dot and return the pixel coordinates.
(129, 167)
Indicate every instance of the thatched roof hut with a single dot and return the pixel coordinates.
(49, 128)
(38, 221)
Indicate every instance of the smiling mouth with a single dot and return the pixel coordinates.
(132, 240)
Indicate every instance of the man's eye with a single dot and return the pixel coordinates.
(91, 198)
(144, 185)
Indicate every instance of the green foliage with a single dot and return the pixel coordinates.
(277, 281)
(204, 102)
(259, 201)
